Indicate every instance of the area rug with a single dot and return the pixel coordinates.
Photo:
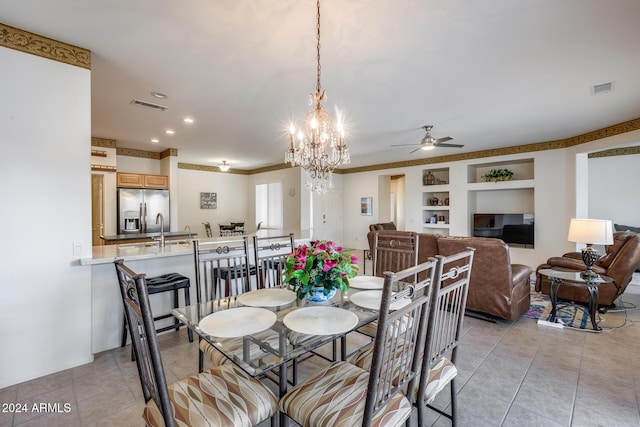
(571, 315)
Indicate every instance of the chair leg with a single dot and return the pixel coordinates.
(123, 342)
(176, 304)
(454, 402)
(187, 301)
(200, 357)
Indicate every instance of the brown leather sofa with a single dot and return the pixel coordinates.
(497, 287)
(619, 262)
(382, 226)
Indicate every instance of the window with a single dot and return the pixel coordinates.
(269, 205)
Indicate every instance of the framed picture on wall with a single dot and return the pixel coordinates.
(208, 201)
(366, 204)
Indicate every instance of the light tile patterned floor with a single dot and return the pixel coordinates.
(511, 374)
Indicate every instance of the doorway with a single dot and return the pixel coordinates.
(97, 209)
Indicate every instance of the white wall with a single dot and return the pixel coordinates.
(232, 191)
(613, 189)
(291, 184)
(45, 133)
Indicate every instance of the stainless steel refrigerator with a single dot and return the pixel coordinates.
(138, 209)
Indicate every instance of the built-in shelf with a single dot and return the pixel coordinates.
(98, 153)
(103, 168)
(523, 169)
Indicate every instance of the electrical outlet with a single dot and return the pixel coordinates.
(77, 248)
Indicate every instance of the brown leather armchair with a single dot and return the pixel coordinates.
(619, 262)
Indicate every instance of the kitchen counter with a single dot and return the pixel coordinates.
(151, 259)
(152, 250)
(124, 238)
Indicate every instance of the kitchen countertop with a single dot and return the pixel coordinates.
(139, 251)
(140, 236)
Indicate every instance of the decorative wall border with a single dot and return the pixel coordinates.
(103, 142)
(617, 129)
(206, 168)
(24, 41)
(625, 151)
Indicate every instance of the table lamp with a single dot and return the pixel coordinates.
(590, 232)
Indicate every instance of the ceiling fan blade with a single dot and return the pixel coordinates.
(445, 139)
(450, 145)
(413, 151)
(403, 145)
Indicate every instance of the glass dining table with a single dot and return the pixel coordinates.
(263, 331)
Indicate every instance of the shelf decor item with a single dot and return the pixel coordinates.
(495, 175)
(315, 272)
(428, 178)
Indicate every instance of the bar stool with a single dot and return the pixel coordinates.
(165, 283)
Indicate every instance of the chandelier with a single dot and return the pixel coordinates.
(317, 144)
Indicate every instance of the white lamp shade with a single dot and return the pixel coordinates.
(591, 231)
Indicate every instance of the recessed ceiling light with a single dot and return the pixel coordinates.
(169, 132)
(187, 120)
(156, 140)
(159, 95)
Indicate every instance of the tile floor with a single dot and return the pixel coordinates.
(511, 374)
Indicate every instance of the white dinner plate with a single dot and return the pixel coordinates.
(320, 320)
(372, 299)
(237, 322)
(273, 297)
(366, 282)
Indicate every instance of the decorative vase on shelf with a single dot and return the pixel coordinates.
(429, 179)
(318, 295)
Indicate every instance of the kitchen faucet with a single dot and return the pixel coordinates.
(187, 228)
(160, 219)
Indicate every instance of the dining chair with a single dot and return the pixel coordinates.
(391, 252)
(228, 260)
(443, 334)
(343, 394)
(270, 253)
(219, 261)
(222, 396)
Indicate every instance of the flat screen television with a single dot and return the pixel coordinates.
(511, 228)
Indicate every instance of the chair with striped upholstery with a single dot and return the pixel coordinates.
(443, 335)
(222, 396)
(343, 394)
(230, 259)
(270, 253)
(391, 252)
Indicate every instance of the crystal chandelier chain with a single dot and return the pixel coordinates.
(320, 143)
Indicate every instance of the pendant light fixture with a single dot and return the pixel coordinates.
(317, 144)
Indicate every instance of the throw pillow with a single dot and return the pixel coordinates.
(620, 227)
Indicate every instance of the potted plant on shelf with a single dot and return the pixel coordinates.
(315, 272)
(496, 175)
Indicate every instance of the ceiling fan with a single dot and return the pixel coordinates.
(428, 142)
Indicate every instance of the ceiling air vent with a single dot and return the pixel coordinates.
(145, 104)
(603, 88)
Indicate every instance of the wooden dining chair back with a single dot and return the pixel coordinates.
(203, 399)
(345, 394)
(270, 253)
(221, 268)
(449, 300)
(394, 252)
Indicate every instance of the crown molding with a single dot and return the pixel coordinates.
(625, 151)
(137, 153)
(34, 44)
(207, 168)
(616, 129)
(103, 142)
(169, 152)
